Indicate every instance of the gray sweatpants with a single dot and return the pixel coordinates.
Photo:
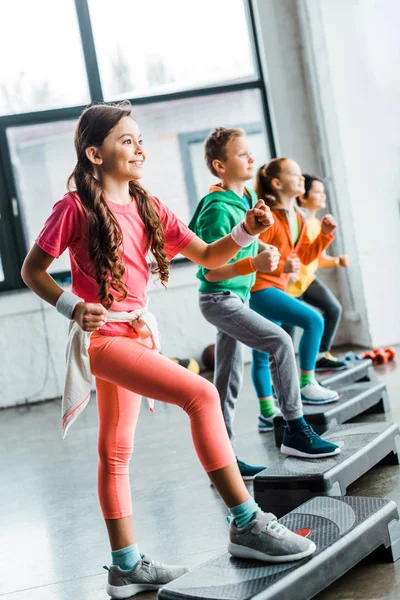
(237, 324)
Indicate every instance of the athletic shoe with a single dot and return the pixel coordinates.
(266, 424)
(330, 356)
(330, 363)
(146, 575)
(264, 538)
(313, 393)
(305, 443)
(248, 472)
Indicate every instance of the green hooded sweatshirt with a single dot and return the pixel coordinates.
(215, 216)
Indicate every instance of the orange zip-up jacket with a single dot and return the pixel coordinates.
(279, 235)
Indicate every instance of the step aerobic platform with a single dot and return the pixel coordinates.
(356, 370)
(290, 481)
(345, 530)
(355, 399)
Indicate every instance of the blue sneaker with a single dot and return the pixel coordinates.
(248, 472)
(266, 424)
(305, 443)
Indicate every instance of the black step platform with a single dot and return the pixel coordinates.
(290, 481)
(356, 399)
(345, 530)
(357, 370)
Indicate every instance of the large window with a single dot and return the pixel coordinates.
(182, 71)
(42, 62)
(159, 46)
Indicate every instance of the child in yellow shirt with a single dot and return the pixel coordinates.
(305, 285)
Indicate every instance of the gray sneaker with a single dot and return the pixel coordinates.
(146, 575)
(266, 539)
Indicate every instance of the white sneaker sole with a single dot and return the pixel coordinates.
(121, 592)
(244, 552)
(318, 401)
(293, 452)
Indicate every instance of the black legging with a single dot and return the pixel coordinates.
(320, 296)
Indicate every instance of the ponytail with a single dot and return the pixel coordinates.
(265, 174)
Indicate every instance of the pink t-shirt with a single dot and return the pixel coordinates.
(66, 228)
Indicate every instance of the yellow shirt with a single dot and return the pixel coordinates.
(307, 273)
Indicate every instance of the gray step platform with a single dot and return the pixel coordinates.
(290, 481)
(345, 530)
(357, 370)
(356, 398)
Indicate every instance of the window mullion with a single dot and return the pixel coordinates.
(89, 50)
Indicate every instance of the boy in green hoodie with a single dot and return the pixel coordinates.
(224, 294)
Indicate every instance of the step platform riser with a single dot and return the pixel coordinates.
(345, 530)
(357, 370)
(357, 399)
(290, 481)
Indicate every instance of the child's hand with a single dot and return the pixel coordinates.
(258, 219)
(89, 316)
(328, 224)
(292, 264)
(267, 261)
(344, 260)
(293, 277)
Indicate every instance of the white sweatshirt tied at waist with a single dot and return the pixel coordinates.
(78, 377)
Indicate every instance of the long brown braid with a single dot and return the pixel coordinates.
(104, 232)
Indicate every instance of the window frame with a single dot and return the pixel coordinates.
(13, 237)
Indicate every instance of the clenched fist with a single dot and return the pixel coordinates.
(258, 219)
(292, 264)
(344, 260)
(267, 261)
(89, 316)
(328, 224)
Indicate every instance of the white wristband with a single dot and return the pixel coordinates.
(241, 237)
(66, 304)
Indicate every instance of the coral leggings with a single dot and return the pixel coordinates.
(126, 370)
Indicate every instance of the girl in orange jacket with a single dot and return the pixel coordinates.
(279, 183)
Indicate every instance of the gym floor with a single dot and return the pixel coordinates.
(54, 543)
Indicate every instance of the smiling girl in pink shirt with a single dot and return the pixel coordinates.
(109, 224)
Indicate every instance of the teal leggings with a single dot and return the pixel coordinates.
(279, 307)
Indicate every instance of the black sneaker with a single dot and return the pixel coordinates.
(329, 364)
(248, 472)
(306, 443)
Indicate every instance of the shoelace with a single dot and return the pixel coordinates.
(269, 521)
(309, 432)
(276, 527)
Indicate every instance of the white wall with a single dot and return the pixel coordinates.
(354, 48)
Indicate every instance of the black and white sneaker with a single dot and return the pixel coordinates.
(330, 363)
